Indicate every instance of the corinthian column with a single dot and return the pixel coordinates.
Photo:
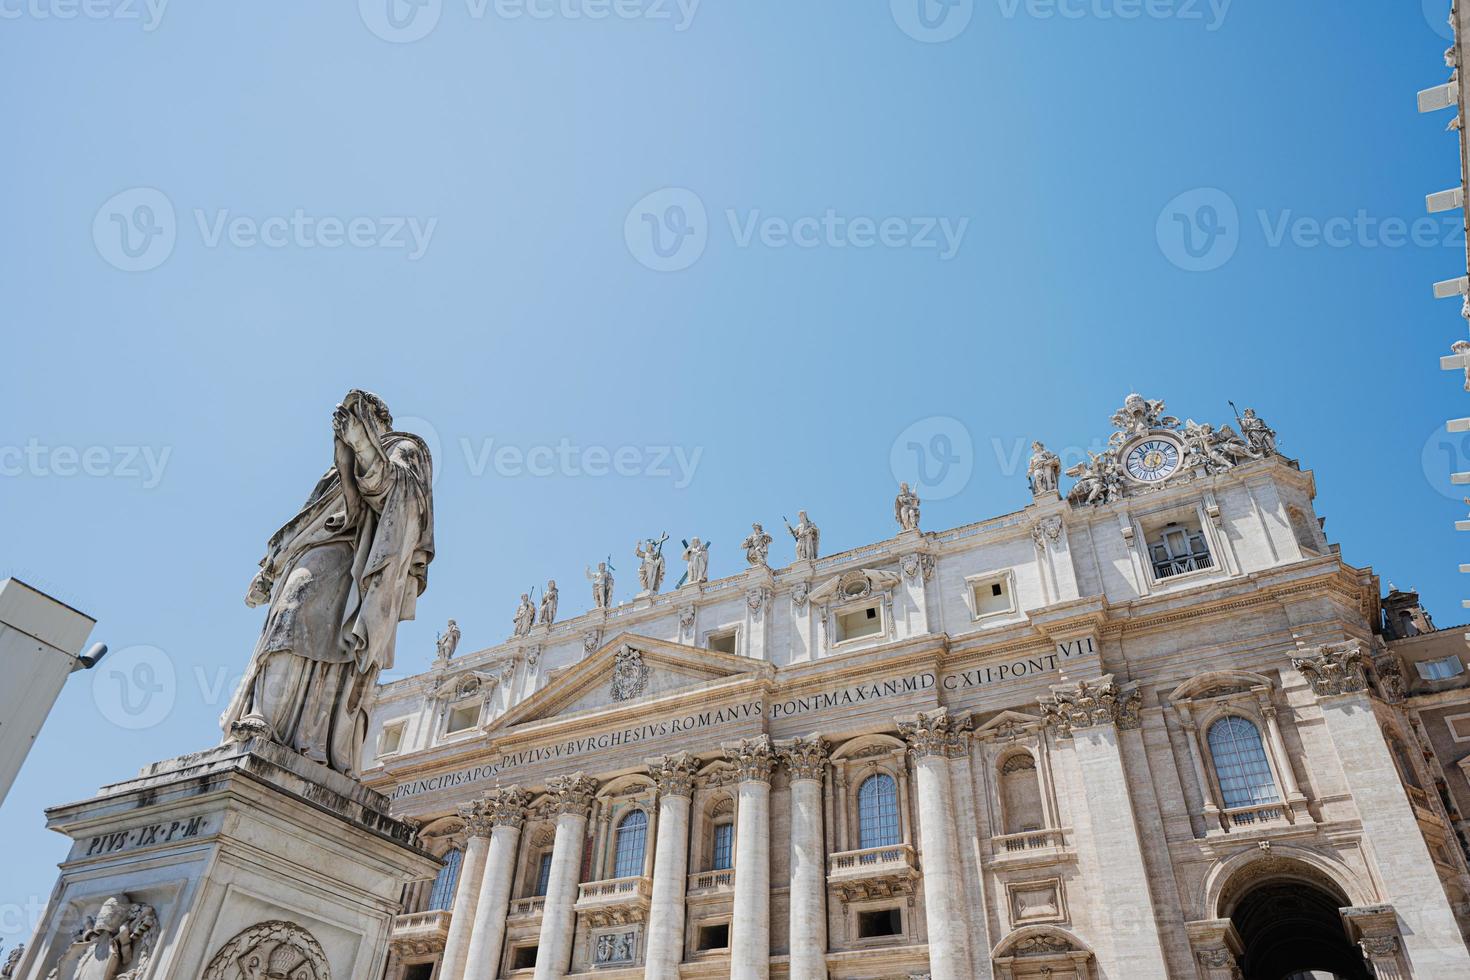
(571, 798)
(477, 826)
(806, 760)
(664, 949)
(750, 928)
(506, 811)
(934, 738)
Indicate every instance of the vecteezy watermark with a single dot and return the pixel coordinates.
(1210, 13)
(935, 456)
(148, 13)
(932, 21)
(406, 21)
(669, 230)
(1438, 16)
(136, 230)
(135, 688)
(566, 459)
(143, 463)
(1444, 454)
(1200, 230)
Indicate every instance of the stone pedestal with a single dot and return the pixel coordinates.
(210, 862)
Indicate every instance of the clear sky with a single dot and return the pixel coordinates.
(760, 247)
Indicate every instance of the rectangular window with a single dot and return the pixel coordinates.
(543, 874)
(463, 718)
(1440, 670)
(714, 937)
(723, 850)
(392, 739)
(992, 595)
(1176, 549)
(879, 922)
(723, 642)
(524, 958)
(859, 623)
(418, 971)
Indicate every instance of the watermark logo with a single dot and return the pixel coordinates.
(135, 688)
(135, 230)
(1437, 15)
(667, 231)
(567, 459)
(935, 456)
(400, 21)
(1444, 454)
(932, 21)
(425, 430)
(1210, 13)
(1199, 230)
(143, 463)
(149, 13)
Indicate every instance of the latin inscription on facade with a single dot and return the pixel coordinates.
(157, 833)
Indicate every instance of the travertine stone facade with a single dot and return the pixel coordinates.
(1111, 735)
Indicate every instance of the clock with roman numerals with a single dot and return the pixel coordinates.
(1152, 460)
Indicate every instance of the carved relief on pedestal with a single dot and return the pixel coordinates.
(1086, 704)
(270, 949)
(113, 944)
(1334, 668)
(752, 759)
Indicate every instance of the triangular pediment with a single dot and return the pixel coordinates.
(630, 670)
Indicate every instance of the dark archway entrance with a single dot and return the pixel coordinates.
(1291, 930)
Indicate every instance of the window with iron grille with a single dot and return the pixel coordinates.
(1240, 763)
(441, 896)
(877, 811)
(723, 851)
(1177, 549)
(632, 833)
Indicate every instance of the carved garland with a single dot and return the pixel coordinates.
(276, 948)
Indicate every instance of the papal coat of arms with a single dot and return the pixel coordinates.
(630, 674)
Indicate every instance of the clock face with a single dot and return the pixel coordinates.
(1152, 460)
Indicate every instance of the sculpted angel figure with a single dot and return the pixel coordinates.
(808, 537)
(1044, 470)
(1262, 437)
(337, 580)
(602, 586)
(1139, 414)
(906, 508)
(1099, 480)
(1215, 451)
(525, 617)
(696, 554)
(449, 641)
(113, 945)
(756, 544)
(651, 564)
(549, 599)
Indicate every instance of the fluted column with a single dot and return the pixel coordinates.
(571, 798)
(806, 761)
(506, 811)
(466, 891)
(664, 947)
(934, 738)
(750, 928)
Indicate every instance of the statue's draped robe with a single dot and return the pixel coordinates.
(340, 583)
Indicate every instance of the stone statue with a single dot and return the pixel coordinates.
(549, 600)
(1044, 471)
(449, 641)
(11, 962)
(1213, 451)
(1099, 480)
(1139, 415)
(808, 537)
(651, 564)
(1462, 347)
(525, 617)
(112, 945)
(696, 554)
(756, 544)
(602, 586)
(906, 508)
(1260, 436)
(337, 580)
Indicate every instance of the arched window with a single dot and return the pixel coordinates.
(441, 896)
(1240, 763)
(1020, 794)
(628, 854)
(877, 800)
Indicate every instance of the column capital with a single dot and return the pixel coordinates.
(505, 806)
(806, 758)
(754, 758)
(571, 793)
(1089, 703)
(935, 733)
(1334, 668)
(477, 819)
(673, 775)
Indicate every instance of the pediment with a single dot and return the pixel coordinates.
(629, 669)
(855, 584)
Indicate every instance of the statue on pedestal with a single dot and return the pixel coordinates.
(1044, 470)
(696, 554)
(337, 580)
(906, 508)
(449, 641)
(549, 600)
(602, 586)
(651, 564)
(1262, 437)
(525, 616)
(808, 537)
(757, 545)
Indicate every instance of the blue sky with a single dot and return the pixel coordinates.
(697, 266)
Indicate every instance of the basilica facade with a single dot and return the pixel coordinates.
(1149, 725)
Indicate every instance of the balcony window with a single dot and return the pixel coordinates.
(1240, 763)
(543, 874)
(441, 896)
(714, 937)
(631, 837)
(1440, 670)
(1176, 549)
(722, 853)
(1020, 794)
(877, 812)
(876, 923)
